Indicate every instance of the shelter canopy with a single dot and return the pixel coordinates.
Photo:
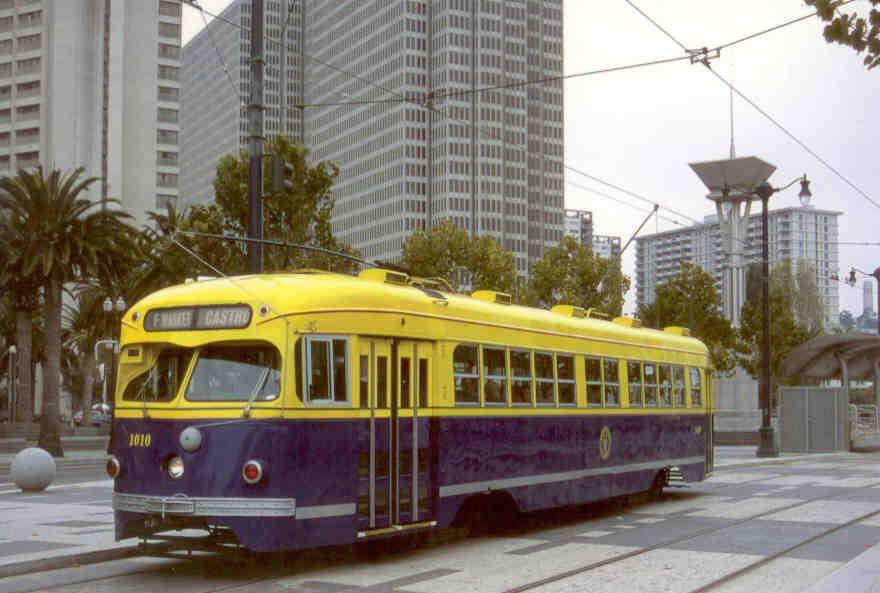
(820, 357)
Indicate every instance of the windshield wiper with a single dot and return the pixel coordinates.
(257, 389)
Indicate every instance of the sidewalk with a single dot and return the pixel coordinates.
(73, 523)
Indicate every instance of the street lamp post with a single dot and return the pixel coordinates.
(113, 309)
(767, 446)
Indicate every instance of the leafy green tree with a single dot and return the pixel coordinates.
(808, 308)
(60, 236)
(690, 299)
(862, 33)
(847, 320)
(786, 333)
(299, 214)
(572, 274)
(449, 252)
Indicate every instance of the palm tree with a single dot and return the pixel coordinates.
(56, 234)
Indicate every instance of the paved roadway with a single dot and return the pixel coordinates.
(768, 528)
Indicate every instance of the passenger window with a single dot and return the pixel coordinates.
(544, 388)
(365, 381)
(404, 382)
(565, 377)
(678, 387)
(521, 368)
(326, 370)
(467, 377)
(612, 383)
(160, 383)
(634, 379)
(423, 382)
(593, 374)
(381, 381)
(494, 376)
(665, 386)
(650, 384)
(696, 387)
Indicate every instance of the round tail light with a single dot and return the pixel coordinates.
(252, 472)
(174, 466)
(113, 468)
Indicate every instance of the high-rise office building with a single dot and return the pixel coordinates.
(393, 94)
(93, 84)
(868, 298)
(215, 88)
(801, 234)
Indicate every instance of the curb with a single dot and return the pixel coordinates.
(781, 460)
(68, 561)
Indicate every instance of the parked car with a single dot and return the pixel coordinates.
(100, 414)
(78, 417)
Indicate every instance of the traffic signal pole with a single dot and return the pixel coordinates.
(255, 122)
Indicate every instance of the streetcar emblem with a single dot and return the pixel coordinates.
(605, 443)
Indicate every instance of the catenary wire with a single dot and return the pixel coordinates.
(763, 112)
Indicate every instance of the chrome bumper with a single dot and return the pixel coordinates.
(181, 505)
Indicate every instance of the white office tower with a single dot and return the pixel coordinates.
(868, 299)
(490, 161)
(800, 234)
(93, 84)
(215, 81)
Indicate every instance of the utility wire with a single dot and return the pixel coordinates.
(623, 202)
(763, 112)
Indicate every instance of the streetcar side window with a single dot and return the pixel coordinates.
(650, 384)
(665, 386)
(612, 382)
(423, 382)
(326, 376)
(634, 380)
(161, 382)
(678, 387)
(521, 386)
(696, 387)
(565, 378)
(494, 376)
(466, 373)
(364, 366)
(593, 373)
(544, 379)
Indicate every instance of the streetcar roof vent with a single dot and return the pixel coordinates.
(628, 322)
(389, 276)
(502, 298)
(570, 311)
(677, 330)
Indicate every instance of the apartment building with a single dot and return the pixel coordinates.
(579, 225)
(93, 84)
(392, 93)
(800, 233)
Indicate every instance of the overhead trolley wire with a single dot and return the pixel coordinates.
(763, 112)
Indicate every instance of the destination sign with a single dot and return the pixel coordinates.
(198, 318)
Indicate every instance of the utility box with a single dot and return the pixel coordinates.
(813, 419)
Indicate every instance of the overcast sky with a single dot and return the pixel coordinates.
(640, 128)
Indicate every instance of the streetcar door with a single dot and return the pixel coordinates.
(411, 425)
(374, 469)
(710, 432)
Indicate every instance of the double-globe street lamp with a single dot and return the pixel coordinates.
(113, 309)
(767, 446)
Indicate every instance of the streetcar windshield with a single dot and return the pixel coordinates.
(161, 382)
(235, 373)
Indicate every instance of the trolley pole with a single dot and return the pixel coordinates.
(255, 121)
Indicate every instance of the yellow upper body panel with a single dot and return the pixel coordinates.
(298, 297)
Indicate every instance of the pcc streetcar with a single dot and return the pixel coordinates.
(297, 410)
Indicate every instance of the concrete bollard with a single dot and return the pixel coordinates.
(33, 469)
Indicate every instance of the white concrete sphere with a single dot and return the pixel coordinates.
(33, 469)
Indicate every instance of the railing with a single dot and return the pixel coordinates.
(864, 419)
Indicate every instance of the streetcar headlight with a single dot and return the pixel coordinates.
(252, 471)
(174, 466)
(113, 467)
